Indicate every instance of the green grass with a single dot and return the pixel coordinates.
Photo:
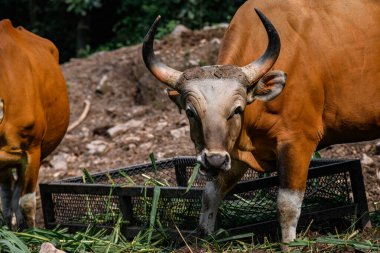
(154, 238)
(99, 240)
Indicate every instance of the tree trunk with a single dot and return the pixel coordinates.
(83, 34)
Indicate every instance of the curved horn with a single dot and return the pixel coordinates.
(256, 69)
(162, 72)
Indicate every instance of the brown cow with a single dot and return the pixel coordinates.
(331, 54)
(34, 116)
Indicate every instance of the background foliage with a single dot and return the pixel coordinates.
(79, 27)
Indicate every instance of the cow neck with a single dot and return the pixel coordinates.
(252, 146)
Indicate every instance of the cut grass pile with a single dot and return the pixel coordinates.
(154, 238)
(99, 240)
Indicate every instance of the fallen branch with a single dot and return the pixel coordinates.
(82, 116)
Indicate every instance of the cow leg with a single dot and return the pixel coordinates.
(20, 221)
(28, 200)
(214, 193)
(294, 160)
(6, 195)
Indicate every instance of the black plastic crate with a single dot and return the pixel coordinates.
(335, 193)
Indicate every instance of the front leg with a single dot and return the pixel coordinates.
(211, 199)
(29, 175)
(294, 159)
(214, 193)
(6, 195)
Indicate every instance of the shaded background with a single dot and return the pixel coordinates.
(81, 27)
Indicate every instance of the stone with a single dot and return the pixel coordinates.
(220, 25)
(59, 162)
(366, 160)
(179, 29)
(215, 41)
(122, 128)
(194, 62)
(132, 139)
(97, 147)
(180, 132)
(161, 125)
(47, 247)
(146, 145)
(103, 86)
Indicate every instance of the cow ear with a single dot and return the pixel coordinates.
(175, 96)
(268, 87)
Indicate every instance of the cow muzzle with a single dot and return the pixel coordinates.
(214, 162)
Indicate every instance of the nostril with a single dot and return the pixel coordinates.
(216, 161)
(226, 158)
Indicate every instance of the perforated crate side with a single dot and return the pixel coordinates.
(249, 203)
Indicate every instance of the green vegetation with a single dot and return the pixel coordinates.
(155, 238)
(80, 27)
(100, 240)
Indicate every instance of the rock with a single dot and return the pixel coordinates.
(132, 146)
(97, 147)
(47, 247)
(160, 155)
(220, 25)
(132, 139)
(103, 86)
(59, 162)
(85, 132)
(368, 148)
(139, 110)
(146, 145)
(149, 136)
(366, 160)
(122, 128)
(59, 174)
(179, 29)
(193, 62)
(161, 125)
(179, 132)
(215, 41)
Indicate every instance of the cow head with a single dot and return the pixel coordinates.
(214, 97)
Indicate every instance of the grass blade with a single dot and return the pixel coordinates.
(87, 177)
(193, 176)
(153, 211)
(236, 237)
(153, 161)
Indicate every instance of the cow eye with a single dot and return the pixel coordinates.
(238, 110)
(190, 113)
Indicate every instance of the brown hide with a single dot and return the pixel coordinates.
(36, 106)
(331, 53)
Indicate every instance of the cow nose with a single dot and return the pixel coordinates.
(216, 161)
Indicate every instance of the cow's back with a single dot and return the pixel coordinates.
(33, 90)
(330, 51)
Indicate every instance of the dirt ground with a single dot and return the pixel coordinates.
(130, 116)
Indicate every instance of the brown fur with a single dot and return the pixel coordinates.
(36, 106)
(330, 52)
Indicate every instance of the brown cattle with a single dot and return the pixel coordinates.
(330, 53)
(34, 116)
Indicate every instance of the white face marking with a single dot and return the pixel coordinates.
(289, 206)
(214, 108)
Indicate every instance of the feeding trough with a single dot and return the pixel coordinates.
(335, 192)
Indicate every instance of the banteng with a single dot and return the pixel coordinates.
(34, 116)
(243, 116)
